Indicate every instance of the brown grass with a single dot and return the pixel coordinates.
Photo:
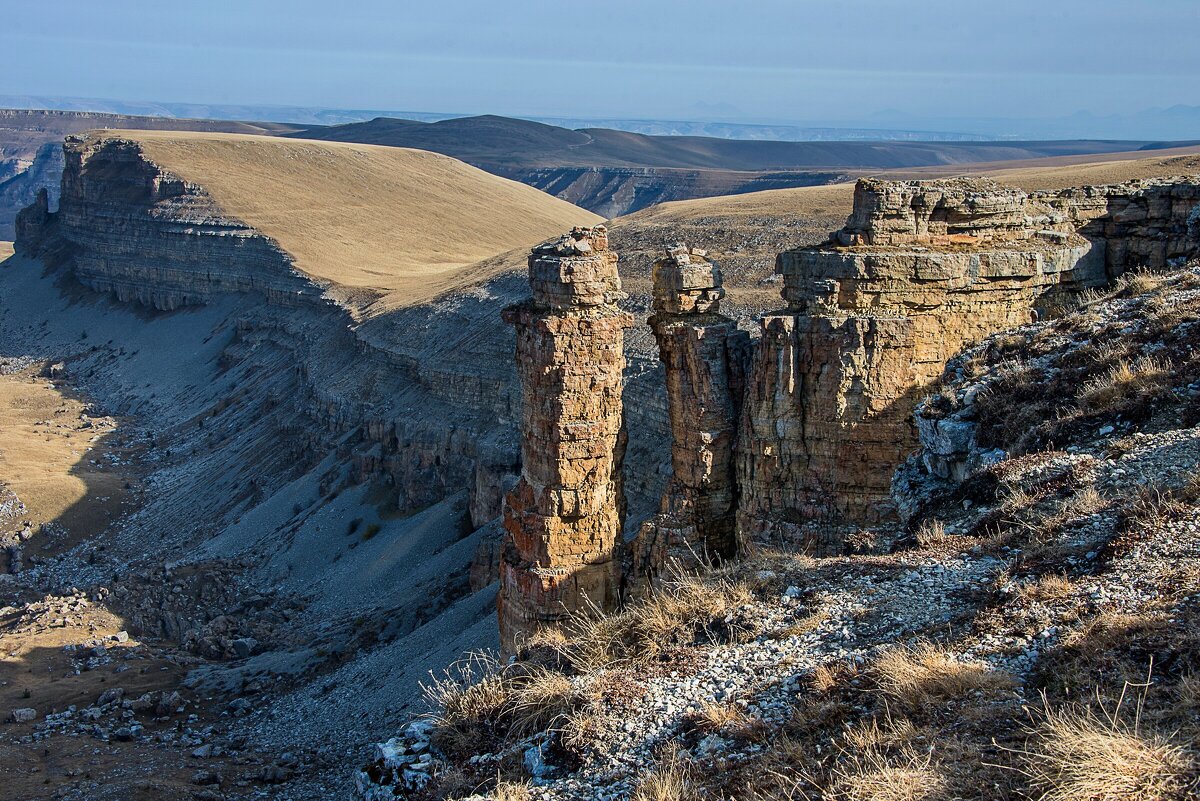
(671, 780)
(1077, 756)
(674, 614)
(1122, 383)
(478, 699)
(872, 776)
(47, 457)
(923, 674)
(406, 223)
(510, 791)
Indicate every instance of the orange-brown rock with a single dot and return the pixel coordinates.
(563, 519)
(704, 354)
(930, 267)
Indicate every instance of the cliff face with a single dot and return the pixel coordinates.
(704, 354)
(145, 235)
(919, 271)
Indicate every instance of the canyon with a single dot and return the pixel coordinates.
(320, 402)
(919, 271)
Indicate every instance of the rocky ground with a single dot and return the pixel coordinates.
(1030, 632)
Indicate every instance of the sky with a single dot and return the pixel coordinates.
(747, 61)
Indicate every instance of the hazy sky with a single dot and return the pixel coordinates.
(770, 60)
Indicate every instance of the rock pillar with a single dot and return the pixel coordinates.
(563, 519)
(704, 354)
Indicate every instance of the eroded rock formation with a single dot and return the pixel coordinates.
(146, 235)
(920, 270)
(563, 519)
(704, 354)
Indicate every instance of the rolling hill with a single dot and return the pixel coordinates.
(383, 220)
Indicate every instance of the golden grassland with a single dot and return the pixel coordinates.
(405, 223)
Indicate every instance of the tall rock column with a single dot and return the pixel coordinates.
(563, 519)
(704, 354)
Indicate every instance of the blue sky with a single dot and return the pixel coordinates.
(760, 61)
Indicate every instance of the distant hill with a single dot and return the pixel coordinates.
(505, 142)
(615, 172)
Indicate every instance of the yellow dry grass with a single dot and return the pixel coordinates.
(924, 674)
(1077, 756)
(871, 776)
(391, 221)
(46, 457)
(6, 250)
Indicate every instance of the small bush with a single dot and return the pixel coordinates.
(371, 531)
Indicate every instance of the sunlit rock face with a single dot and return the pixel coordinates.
(705, 355)
(920, 270)
(563, 519)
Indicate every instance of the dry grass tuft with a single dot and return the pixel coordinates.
(511, 791)
(932, 534)
(1076, 756)
(1123, 382)
(1051, 587)
(678, 611)
(871, 776)
(477, 699)
(469, 693)
(1139, 283)
(915, 676)
(672, 780)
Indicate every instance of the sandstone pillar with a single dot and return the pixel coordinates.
(704, 355)
(563, 519)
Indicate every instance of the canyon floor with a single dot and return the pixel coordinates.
(202, 537)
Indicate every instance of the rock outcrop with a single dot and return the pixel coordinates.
(705, 355)
(143, 234)
(1148, 224)
(564, 518)
(920, 270)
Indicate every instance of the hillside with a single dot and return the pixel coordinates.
(368, 220)
(616, 172)
(287, 508)
(31, 147)
(506, 142)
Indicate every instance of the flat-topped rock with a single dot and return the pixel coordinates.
(946, 211)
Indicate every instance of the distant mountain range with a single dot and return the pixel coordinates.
(1176, 122)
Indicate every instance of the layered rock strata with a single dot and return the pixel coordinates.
(563, 519)
(146, 235)
(920, 270)
(705, 355)
(1148, 224)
